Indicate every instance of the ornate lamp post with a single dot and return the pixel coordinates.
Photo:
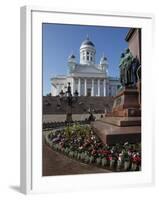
(69, 100)
(90, 111)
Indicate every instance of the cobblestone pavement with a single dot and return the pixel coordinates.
(55, 163)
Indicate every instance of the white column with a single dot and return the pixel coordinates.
(98, 87)
(73, 86)
(79, 87)
(92, 87)
(107, 89)
(85, 87)
(57, 89)
(104, 87)
(53, 90)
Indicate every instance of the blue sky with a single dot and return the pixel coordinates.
(60, 40)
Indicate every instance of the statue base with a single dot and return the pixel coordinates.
(126, 103)
(123, 124)
(118, 131)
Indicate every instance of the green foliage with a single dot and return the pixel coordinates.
(119, 164)
(68, 131)
(112, 164)
(66, 150)
(78, 156)
(86, 159)
(78, 130)
(91, 159)
(133, 166)
(104, 162)
(98, 161)
(126, 156)
(75, 154)
(126, 165)
(56, 146)
(71, 154)
(82, 156)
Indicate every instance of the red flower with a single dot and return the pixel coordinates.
(110, 158)
(106, 152)
(136, 159)
(103, 152)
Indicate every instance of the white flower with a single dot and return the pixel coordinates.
(129, 153)
(119, 158)
(126, 143)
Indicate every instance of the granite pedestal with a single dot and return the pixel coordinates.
(124, 122)
(126, 103)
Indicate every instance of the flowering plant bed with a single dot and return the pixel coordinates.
(81, 143)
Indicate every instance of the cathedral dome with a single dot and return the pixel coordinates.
(87, 52)
(72, 56)
(103, 58)
(87, 42)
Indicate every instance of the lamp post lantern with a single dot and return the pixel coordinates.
(69, 100)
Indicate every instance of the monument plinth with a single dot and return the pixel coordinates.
(123, 124)
(126, 103)
(114, 134)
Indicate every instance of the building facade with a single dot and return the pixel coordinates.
(87, 77)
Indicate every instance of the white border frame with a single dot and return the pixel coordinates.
(31, 100)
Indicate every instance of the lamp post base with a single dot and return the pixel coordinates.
(69, 117)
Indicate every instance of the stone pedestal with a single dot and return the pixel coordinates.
(126, 103)
(115, 134)
(124, 122)
(139, 91)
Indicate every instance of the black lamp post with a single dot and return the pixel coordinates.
(67, 98)
(90, 111)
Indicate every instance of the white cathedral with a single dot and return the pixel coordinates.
(87, 77)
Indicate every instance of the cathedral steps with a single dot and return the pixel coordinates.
(52, 105)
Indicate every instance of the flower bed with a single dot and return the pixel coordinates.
(81, 143)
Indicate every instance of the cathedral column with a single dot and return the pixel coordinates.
(104, 87)
(107, 89)
(98, 87)
(73, 86)
(85, 87)
(92, 87)
(57, 89)
(79, 87)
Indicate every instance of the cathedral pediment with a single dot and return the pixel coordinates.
(86, 69)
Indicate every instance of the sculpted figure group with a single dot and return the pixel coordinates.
(129, 69)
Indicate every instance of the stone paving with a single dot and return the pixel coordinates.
(55, 163)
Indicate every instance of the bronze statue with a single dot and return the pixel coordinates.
(128, 68)
(135, 68)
